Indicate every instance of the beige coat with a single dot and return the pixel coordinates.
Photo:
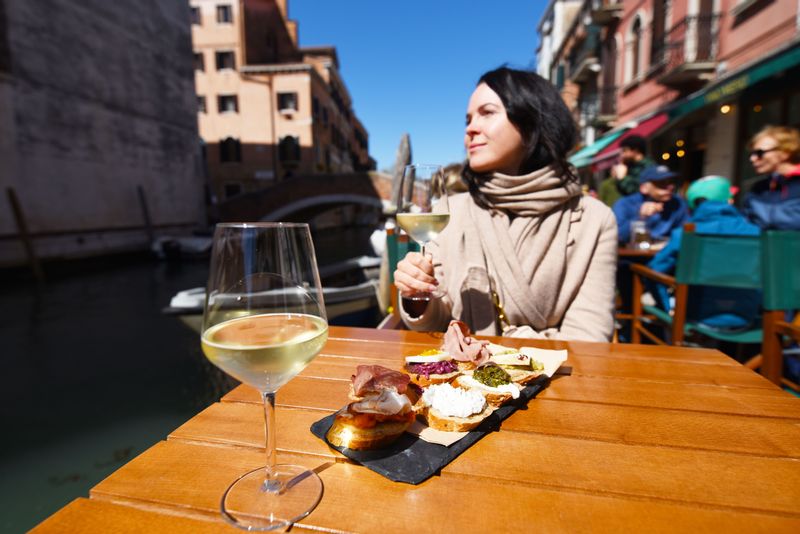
(580, 303)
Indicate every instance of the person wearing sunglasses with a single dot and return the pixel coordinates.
(774, 201)
(655, 203)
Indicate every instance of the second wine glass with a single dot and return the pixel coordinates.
(422, 208)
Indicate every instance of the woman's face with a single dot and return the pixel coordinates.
(765, 155)
(493, 144)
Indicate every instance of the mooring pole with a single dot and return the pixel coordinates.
(24, 235)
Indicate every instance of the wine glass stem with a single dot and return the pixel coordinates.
(271, 482)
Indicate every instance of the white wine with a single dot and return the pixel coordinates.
(423, 227)
(265, 351)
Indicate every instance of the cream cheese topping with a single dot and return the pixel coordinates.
(431, 358)
(453, 402)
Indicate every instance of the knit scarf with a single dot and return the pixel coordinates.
(524, 242)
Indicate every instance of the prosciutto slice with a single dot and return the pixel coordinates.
(376, 378)
(462, 347)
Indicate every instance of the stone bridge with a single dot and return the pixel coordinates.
(301, 198)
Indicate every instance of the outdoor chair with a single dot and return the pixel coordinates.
(397, 246)
(722, 261)
(780, 257)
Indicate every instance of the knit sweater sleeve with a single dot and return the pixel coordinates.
(590, 316)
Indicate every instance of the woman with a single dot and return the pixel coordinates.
(774, 201)
(523, 237)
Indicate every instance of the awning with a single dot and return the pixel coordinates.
(583, 157)
(737, 82)
(608, 156)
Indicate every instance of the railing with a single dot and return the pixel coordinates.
(692, 40)
(608, 100)
(587, 109)
(590, 47)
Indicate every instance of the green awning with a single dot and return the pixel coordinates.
(583, 157)
(735, 84)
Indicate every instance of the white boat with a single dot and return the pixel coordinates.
(344, 304)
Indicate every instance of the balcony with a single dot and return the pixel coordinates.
(607, 112)
(584, 60)
(688, 57)
(605, 12)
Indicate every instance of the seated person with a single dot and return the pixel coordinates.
(655, 204)
(525, 254)
(774, 201)
(710, 200)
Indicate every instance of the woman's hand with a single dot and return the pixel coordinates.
(414, 274)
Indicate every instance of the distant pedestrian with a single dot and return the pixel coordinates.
(623, 179)
(655, 203)
(773, 202)
(525, 253)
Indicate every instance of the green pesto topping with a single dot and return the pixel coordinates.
(491, 375)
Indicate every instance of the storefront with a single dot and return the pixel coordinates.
(709, 131)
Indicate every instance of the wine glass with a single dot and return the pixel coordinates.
(422, 209)
(264, 320)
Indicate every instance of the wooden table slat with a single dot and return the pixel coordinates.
(350, 488)
(92, 516)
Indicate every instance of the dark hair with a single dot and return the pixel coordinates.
(635, 142)
(535, 108)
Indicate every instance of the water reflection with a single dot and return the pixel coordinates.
(95, 374)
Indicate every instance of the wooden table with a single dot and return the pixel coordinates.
(641, 254)
(638, 438)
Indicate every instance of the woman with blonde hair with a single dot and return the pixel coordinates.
(774, 201)
(525, 254)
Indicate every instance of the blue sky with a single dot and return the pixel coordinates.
(410, 66)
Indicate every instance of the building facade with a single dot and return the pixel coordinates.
(695, 77)
(98, 129)
(268, 109)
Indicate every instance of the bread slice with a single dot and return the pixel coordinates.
(521, 376)
(495, 398)
(343, 433)
(447, 423)
(423, 381)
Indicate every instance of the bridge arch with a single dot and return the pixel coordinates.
(314, 203)
(301, 198)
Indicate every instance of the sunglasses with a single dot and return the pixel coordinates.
(663, 184)
(759, 152)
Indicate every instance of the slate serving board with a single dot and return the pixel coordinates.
(413, 460)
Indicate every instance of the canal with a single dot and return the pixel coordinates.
(95, 373)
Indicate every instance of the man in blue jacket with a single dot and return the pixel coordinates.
(655, 204)
(712, 213)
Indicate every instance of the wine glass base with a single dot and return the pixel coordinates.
(249, 505)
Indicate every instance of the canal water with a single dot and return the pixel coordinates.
(95, 374)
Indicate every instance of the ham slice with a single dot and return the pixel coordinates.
(376, 378)
(462, 347)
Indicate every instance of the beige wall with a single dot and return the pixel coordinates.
(258, 124)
